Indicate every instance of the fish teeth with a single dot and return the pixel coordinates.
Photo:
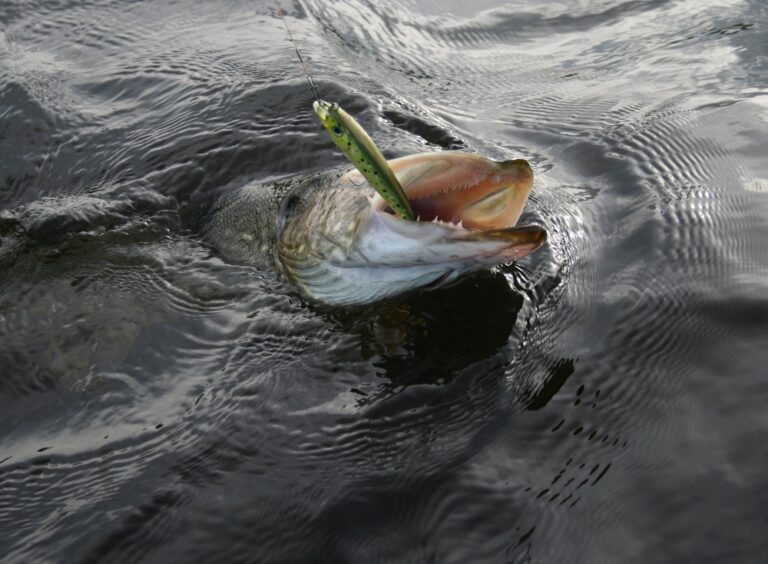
(463, 186)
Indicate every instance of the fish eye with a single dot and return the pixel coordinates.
(337, 130)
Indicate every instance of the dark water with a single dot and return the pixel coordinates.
(601, 401)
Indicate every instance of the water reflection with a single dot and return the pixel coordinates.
(608, 407)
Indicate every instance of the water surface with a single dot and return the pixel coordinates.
(600, 401)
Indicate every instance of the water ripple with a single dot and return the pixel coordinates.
(596, 401)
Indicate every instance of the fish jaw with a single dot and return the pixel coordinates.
(456, 187)
(384, 239)
(391, 256)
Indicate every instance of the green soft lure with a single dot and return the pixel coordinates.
(359, 148)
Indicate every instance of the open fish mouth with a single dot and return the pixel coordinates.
(467, 199)
(340, 244)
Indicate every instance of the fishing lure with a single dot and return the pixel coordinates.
(356, 145)
(359, 148)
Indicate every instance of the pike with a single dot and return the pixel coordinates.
(341, 239)
(334, 238)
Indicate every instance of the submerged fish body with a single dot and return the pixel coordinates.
(337, 241)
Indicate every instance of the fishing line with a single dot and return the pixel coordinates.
(312, 85)
(353, 141)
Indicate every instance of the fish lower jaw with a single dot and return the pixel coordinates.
(359, 284)
(454, 224)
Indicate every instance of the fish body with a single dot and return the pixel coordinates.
(337, 240)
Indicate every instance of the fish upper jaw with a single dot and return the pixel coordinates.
(456, 187)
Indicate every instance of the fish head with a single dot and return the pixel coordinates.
(342, 245)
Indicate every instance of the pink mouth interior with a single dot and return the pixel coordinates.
(474, 192)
